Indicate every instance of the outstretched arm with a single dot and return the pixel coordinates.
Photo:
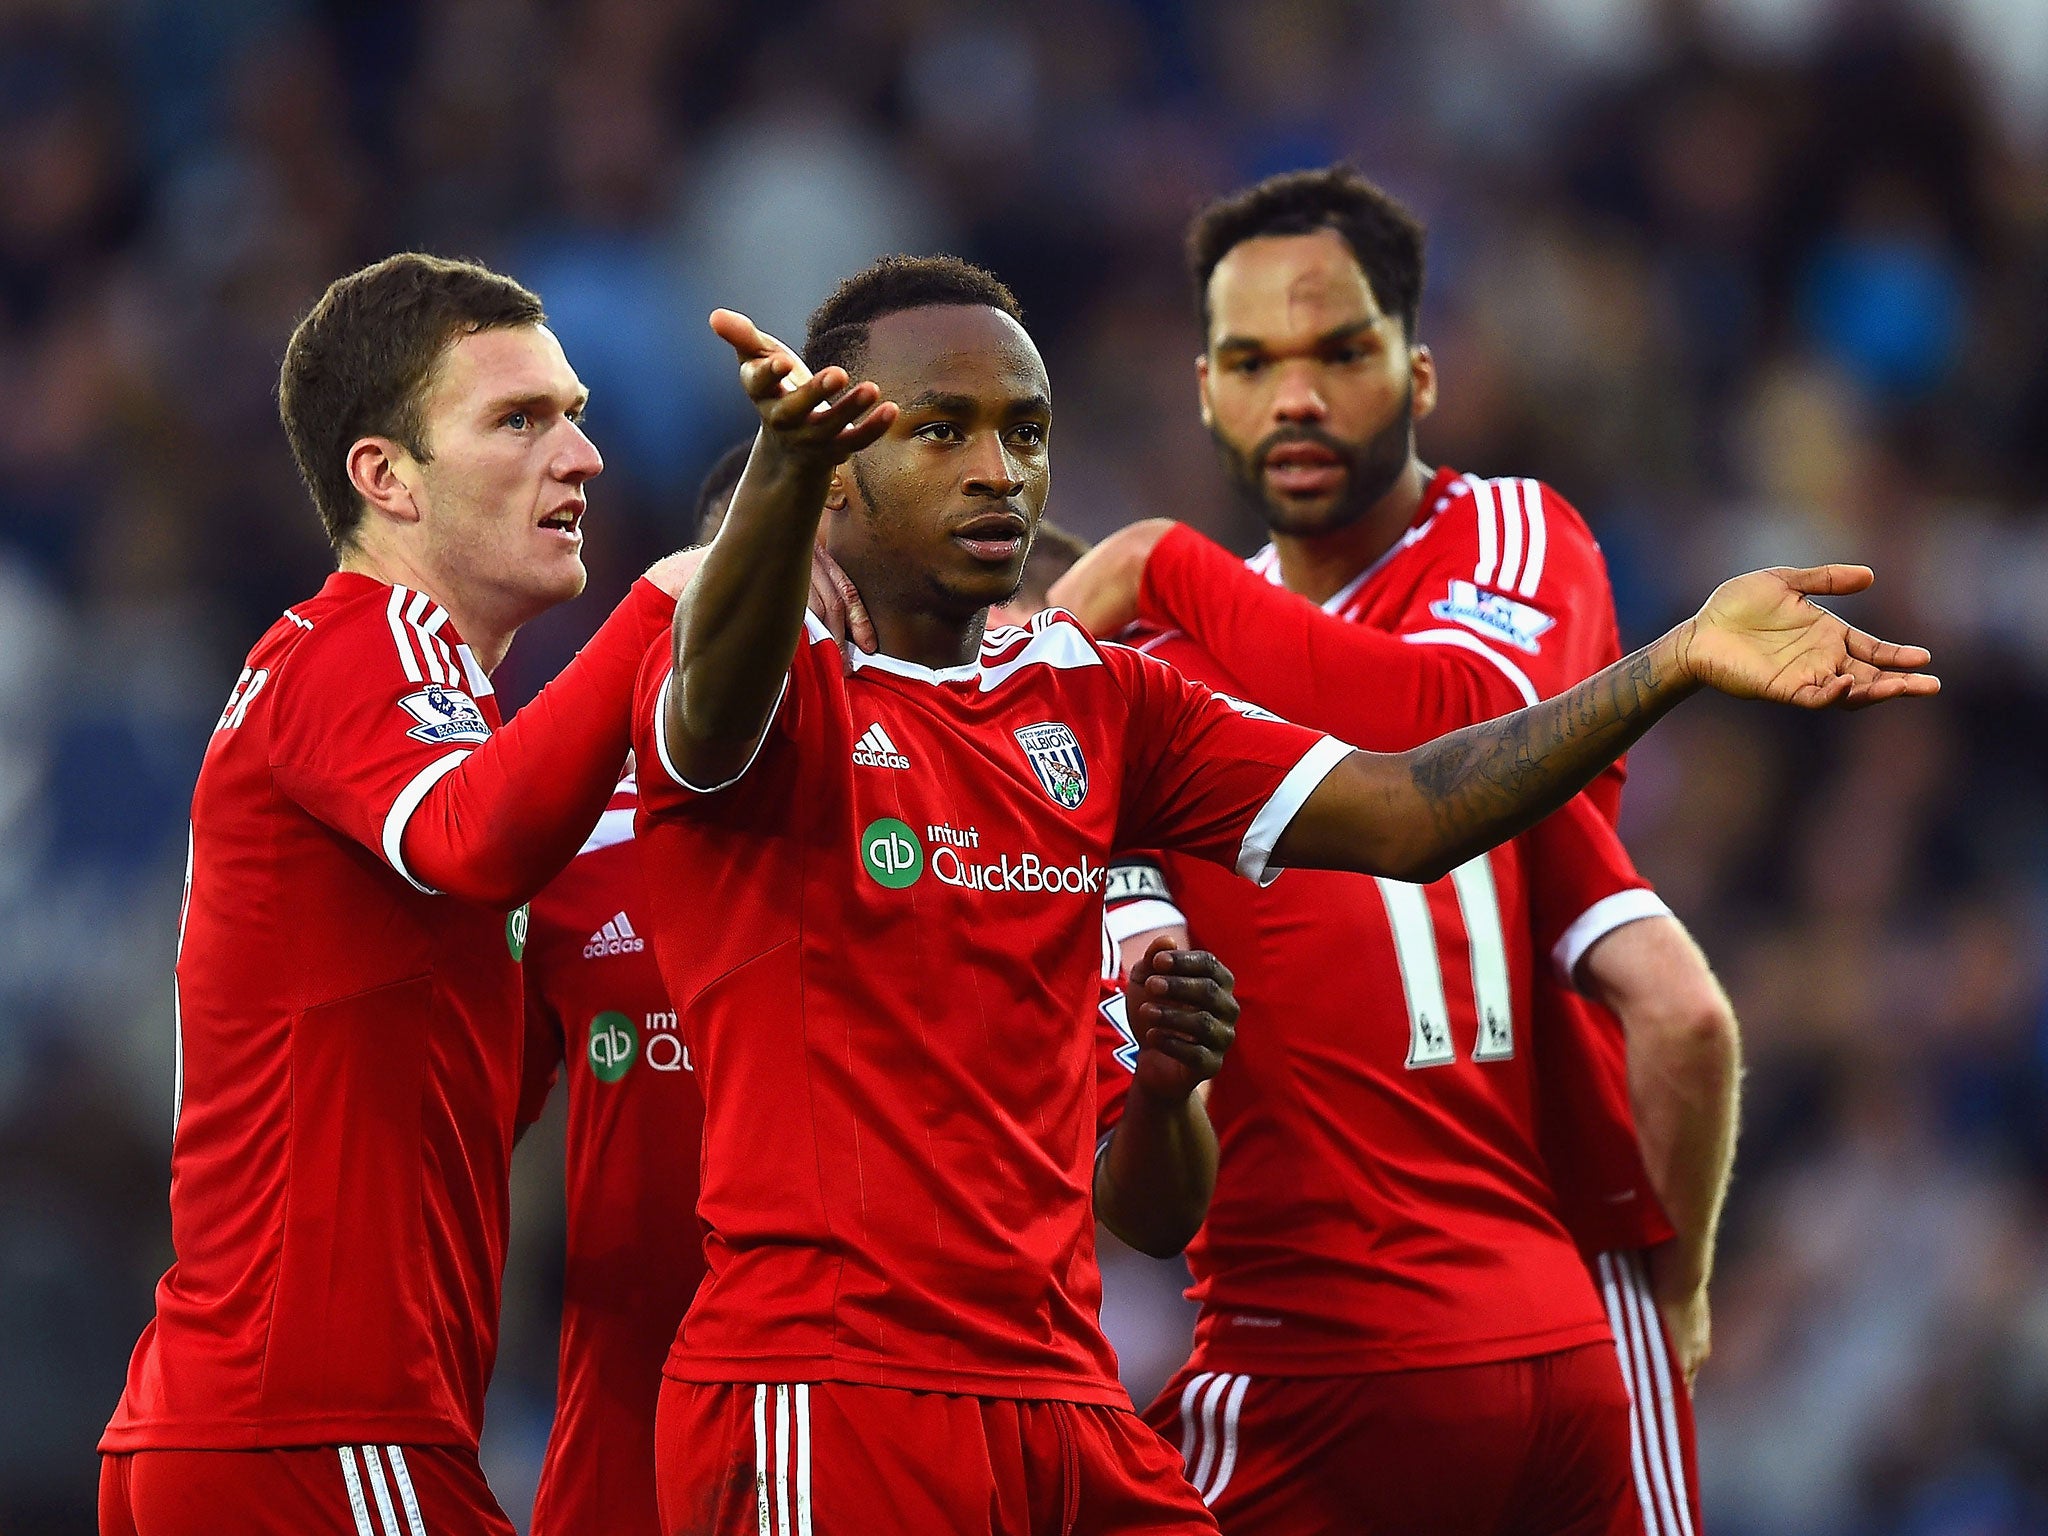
(1154, 1180)
(1418, 815)
(739, 620)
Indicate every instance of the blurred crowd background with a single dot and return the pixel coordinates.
(1747, 280)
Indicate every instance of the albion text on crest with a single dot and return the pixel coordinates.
(1056, 758)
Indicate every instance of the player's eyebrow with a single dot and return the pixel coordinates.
(1336, 333)
(538, 400)
(946, 403)
(940, 400)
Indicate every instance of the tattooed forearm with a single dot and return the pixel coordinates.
(1479, 786)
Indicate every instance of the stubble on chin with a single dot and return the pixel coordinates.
(1370, 471)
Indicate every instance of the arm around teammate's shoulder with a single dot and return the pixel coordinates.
(512, 815)
(1368, 686)
(739, 621)
(377, 730)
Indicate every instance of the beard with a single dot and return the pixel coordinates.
(1371, 468)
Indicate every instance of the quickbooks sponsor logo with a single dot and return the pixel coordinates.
(891, 853)
(1027, 874)
(613, 1045)
(894, 856)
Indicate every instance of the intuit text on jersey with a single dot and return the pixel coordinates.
(1027, 873)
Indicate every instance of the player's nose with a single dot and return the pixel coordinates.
(992, 470)
(1297, 393)
(578, 459)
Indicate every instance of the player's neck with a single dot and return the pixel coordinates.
(487, 642)
(928, 639)
(1319, 566)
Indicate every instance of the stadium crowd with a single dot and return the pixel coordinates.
(1748, 280)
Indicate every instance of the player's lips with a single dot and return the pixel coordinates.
(1304, 469)
(996, 538)
(566, 521)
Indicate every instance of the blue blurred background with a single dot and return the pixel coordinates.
(1748, 280)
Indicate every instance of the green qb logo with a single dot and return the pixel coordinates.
(515, 930)
(614, 1044)
(891, 853)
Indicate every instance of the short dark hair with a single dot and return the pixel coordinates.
(1054, 552)
(714, 491)
(359, 364)
(1384, 236)
(838, 329)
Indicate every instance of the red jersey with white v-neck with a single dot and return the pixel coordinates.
(349, 1060)
(892, 1019)
(1384, 1200)
(1497, 595)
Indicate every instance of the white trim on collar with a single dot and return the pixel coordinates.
(1267, 561)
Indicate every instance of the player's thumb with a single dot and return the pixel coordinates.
(1828, 580)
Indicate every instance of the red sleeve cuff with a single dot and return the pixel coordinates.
(1174, 574)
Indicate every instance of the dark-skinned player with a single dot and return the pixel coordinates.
(1377, 1302)
(598, 1016)
(897, 1328)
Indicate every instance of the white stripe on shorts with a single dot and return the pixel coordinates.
(781, 1461)
(772, 1502)
(1664, 1427)
(1653, 1425)
(1188, 1433)
(402, 1475)
(1207, 1460)
(1228, 1463)
(803, 1459)
(360, 1509)
(761, 1457)
(386, 1515)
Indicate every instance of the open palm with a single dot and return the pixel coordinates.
(1761, 637)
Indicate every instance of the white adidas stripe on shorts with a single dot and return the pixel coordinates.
(1653, 1383)
(791, 1479)
(1209, 1406)
(387, 1519)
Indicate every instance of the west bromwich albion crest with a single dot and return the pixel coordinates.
(1056, 758)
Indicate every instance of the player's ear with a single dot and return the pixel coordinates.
(1202, 390)
(382, 473)
(1422, 369)
(836, 492)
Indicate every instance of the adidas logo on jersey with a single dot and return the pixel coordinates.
(614, 938)
(876, 750)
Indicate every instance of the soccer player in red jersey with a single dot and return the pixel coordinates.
(365, 834)
(897, 1327)
(597, 1009)
(1447, 598)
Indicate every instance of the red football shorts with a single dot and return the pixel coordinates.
(329, 1490)
(1533, 1447)
(1663, 1447)
(832, 1459)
